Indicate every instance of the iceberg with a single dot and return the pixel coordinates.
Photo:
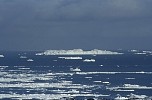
(1, 55)
(76, 69)
(137, 97)
(89, 60)
(30, 60)
(120, 98)
(23, 57)
(78, 52)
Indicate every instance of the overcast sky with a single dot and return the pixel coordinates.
(69, 24)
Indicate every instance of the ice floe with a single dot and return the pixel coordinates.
(30, 60)
(97, 81)
(106, 82)
(130, 78)
(119, 97)
(85, 73)
(75, 70)
(70, 58)
(1, 56)
(89, 60)
(140, 53)
(129, 86)
(23, 57)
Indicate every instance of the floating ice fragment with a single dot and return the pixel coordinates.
(122, 90)
(134, 50)
(88, 77)
(23, 57)
(106, 82)
(75, 70)
(24, 68)
(97, 81)
(1, 56)
(120, 97)
(30, 60)
(140, 53)
(137, 97)
(70, 57)
(129, 78)
(89, 60)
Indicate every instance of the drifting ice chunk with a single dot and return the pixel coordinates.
(120, 98)
(75, 70)
(97, 81)
(122, 90)
(39, 54)
(1, 55)
(106, 82)
(137, 97)
(73, 91)
(30, 60)
(129, 78)
(134, 50)
(23, 57)
(89, 60)
(130, 85)
(70, 57)
(140, 53)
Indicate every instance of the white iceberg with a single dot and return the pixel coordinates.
(89, 60)
(75, 70)
(120, 97)
(141, 53)
(30, 60)
(1, 55)
(137, 97)
(78, 52)
(23, 57)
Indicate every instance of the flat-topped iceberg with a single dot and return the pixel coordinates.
(78, 52)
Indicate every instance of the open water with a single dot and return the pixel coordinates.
(24, 75)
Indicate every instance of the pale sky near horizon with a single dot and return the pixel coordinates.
(70, 24)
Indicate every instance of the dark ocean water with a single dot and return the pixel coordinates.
(24, 75)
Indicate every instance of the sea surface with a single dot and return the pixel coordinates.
(25, 75)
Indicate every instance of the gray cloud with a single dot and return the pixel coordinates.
(34, 22)
(96, 9)
(77, 9)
